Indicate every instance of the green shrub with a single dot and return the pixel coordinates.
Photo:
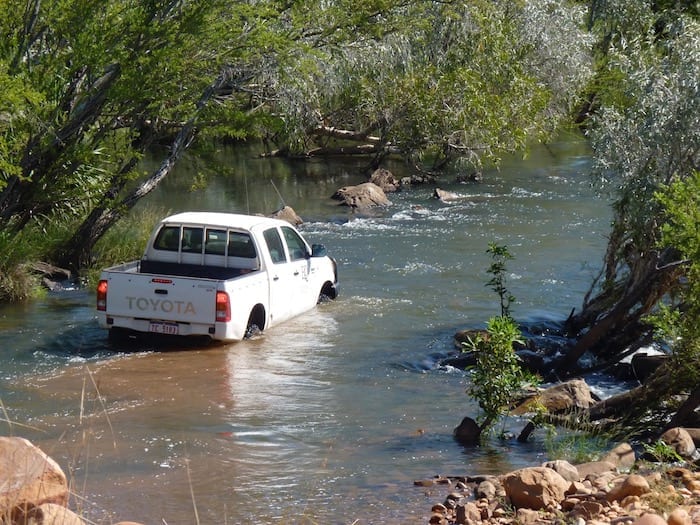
(497, 375)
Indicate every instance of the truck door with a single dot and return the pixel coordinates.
(305, 292)
(280, 275)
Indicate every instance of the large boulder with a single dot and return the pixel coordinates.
(632, 485)
(535, 488)
(681, 441)
(362, 196)
(562, 397)
(288, 214)
(385, 180)
(30, 478)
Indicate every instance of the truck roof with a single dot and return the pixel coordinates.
(227, 220)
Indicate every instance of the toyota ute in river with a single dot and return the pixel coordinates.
(219, 275)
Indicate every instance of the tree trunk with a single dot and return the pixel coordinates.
(76, 254)
(612, 321)
(42, 156)
(686, 410)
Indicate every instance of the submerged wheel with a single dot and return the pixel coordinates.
(256, 322)
(328, 293)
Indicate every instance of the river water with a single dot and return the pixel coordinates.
(330, 417)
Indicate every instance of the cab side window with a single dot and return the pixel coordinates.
(192, 240)
(296, 245)
(241, 245)
(274, 245)
(168, 238)
(215, 243)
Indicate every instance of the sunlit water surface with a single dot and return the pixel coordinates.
(332, 416)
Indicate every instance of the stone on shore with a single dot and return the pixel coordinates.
(681, 441)
(633, 485)
(600, 496)
(565, 469)
(30, 478)
(622, 456)
(33, 487)
(535, 488)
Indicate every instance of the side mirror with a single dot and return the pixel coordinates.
(318, 250)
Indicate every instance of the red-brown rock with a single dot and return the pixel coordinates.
(681, 441)
(535, 488)
(52, 514)
(31, 478)
(633, 485)
(594, 469)
(622, 456)
(649, 519)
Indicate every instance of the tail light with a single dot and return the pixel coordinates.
(223, 307)
(102, 295)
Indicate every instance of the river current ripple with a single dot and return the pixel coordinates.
(330, 417)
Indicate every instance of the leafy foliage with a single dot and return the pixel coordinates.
(677, 322)
(444, 80)
(645, 134)
(500, 255)
(497, 374)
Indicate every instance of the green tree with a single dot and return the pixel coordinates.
(101, 81)
(451, 81)
(90, 85)
(671, 395)
(645, 134)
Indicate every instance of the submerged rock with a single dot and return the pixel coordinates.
(385, 180)
(362, 196)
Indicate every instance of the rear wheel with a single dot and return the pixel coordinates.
(256, 322)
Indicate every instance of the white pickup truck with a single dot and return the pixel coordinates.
(219, 275)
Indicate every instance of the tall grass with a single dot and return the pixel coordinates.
(41, 239)
(35, 242)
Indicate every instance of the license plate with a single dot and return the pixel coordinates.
(163, 328)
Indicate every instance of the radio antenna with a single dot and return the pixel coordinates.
(284, 205)
(247, 196)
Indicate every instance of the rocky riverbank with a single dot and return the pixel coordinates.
(620, 489)
(33, 487)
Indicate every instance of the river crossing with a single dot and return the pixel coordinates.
(331, 417)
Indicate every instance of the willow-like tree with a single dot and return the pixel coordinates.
(91, 86)
(645, 135)
(451, 81)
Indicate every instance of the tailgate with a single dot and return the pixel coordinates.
(166, 298)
